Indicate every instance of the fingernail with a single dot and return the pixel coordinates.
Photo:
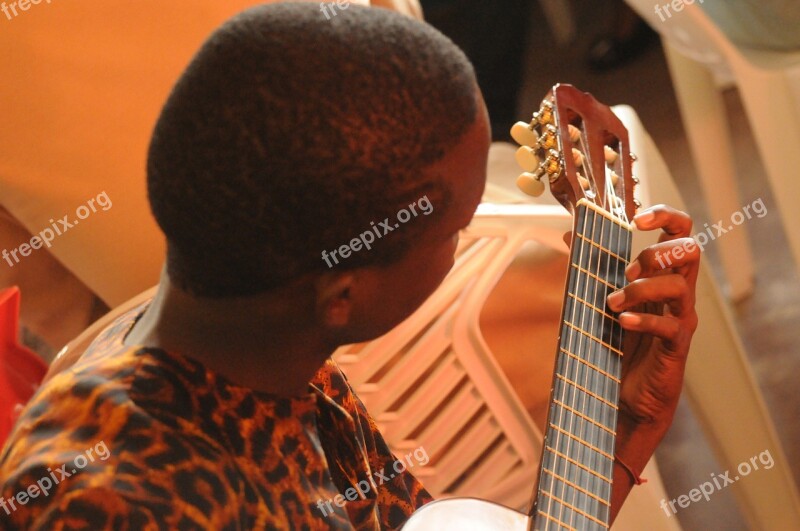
(616, 299)
(633, 270)
(644, 217)
(630, 319)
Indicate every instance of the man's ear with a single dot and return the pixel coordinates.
(334, 301)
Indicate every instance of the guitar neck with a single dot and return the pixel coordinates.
(574, 487)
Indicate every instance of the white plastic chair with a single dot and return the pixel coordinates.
(433, 381)
(769, 84)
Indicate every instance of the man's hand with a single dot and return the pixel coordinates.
(652, 375)
(657, 344)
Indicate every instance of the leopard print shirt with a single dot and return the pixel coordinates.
(187, 449)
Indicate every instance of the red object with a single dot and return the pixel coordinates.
(21, 369)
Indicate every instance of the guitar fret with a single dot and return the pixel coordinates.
(593, 307)
(583, 389)
(590, 336)
(603, 213)
(584, 417)
(556, 520)
(579, 465)
(576, 487)
(607, 251)
(573, 508)
(585, 443)
(595, 367)
(595, 277)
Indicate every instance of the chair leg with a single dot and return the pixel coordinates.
(559, 17)
(772, 111)
(706, 125)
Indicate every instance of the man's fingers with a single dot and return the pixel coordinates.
(681, 254)
(663, 326)
(675, 333)
(674, 222)
(672, 289)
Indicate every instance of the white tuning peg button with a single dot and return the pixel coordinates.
(577, 157)
(527, 159)
(610, 154)
(574, 133)
(529, 184)
(523, 135)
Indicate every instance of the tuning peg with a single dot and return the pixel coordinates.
(548, 140)
(523, 134)
(545, 114)
(553, 164)
(637, 203)
(635, 180)
(634, 158)
(577, 156)
(614, 178)
(530, 184)
(527, 159)
(574, 133)
(585, 184)
(611, 155)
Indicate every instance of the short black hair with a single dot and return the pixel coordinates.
(289, 132)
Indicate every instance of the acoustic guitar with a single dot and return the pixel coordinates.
(582, 149)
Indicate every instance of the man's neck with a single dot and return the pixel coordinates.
(265, 342)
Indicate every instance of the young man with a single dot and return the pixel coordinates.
(290, 135)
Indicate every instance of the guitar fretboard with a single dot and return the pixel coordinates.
(574, 490)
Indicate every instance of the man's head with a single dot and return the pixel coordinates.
(289, 134)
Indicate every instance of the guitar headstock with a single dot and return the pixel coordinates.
(582, 148)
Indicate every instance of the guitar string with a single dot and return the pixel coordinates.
(549, 457)
(590, 405)
(584, 429)
(559, 420)
(595, 409)
(569, 363)
(570, 333)
(622, 248)
(582, 401)
(604, 232)
(612, 361)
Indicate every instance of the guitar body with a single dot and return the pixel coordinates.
(581, 148)
(467, 514)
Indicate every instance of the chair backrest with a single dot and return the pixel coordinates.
(432, 382)
(690, 30)
(21, 370)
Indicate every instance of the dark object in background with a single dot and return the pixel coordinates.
(493, 35)
(627, 38)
